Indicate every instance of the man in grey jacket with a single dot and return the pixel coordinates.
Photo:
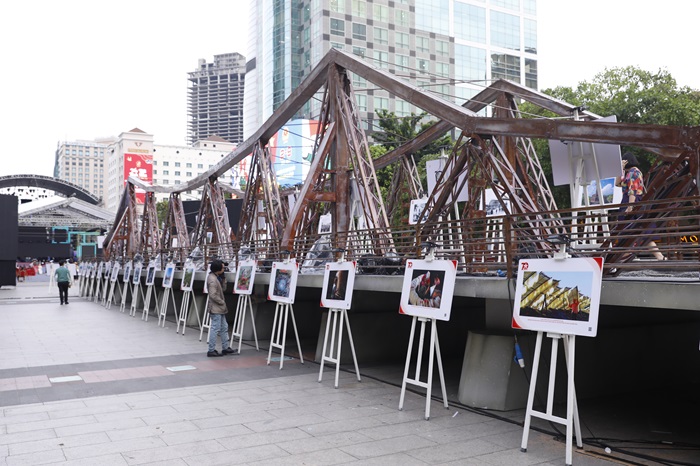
(216, 283)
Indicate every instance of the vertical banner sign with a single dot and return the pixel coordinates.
(139, 166)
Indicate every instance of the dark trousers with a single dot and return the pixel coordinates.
(63, 291)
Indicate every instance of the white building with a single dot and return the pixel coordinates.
(82, 163)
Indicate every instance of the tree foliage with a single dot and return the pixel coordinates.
(634, 96)
(394, 132)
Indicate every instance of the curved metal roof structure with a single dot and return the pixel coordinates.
(49, 182)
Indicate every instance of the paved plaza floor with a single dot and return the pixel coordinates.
(84, 385)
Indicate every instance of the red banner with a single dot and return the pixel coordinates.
(139, 166)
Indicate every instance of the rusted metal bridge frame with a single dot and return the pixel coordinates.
(502, 142)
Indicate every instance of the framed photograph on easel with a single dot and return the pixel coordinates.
(168, 275)
(151, 274)
(127, 272)
(245, 277)
(561, 296)
(283, 282)
(136, 279)
(188, 279)
(115, 272)
(428, 287)
(338, 284)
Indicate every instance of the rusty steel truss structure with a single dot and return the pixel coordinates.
(492, 152)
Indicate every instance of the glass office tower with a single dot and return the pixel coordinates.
(453, 48)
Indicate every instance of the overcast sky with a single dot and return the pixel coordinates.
(83, 69)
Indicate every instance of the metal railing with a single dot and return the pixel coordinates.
(487, 245)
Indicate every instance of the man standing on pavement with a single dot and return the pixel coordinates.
(63, 280)
(216, 283)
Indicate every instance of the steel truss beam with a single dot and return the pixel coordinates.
(174, 236)
(123, 240)
(150, 231)
(212, 221)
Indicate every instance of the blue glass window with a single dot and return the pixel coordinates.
(505, 30)
(470, 22)
(470, 63)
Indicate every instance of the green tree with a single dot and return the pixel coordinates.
(394, 132)
(162, 210)
(634, 96)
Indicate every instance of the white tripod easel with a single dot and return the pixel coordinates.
(338, 316)
(113, 284)
(283, 310)
(185, 310)
(150, 291)
(571, 421)
(167, 294)
(244, 303)
(99, 283)
(136, 291)
(106, 285)
(125, 289)
(434, 351)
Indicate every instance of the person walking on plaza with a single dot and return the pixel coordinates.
(63, 280)
(216, 283)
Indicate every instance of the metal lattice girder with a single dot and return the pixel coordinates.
(341, 154)
(175, 235)
(212, 221)
(122, 240)
(264, 213)
(150, 231)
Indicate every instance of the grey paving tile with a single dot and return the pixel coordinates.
(205, 434)
(42, 457)
(387, 446)
(50, 423)
(419, 427)
(99, 427)
(324, 442)
(114, 459)
(345, 425)
(263, 438)
(43, 407)
(401, 459)
(121, 446)
(266, 406)
(89, 410)
(20, 418)
(324, 457)
(270, 453)
(134, 413)
(27, 436)
(176, 416)
(229, 403)
(276, 424)
(254, 417)
(152, 431)
(455, 451)
(164, 453)
(58, 443)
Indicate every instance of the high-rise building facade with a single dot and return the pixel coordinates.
(453, 48)
(215, 99)
(82, 163)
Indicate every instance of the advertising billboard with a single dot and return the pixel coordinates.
(139, 166)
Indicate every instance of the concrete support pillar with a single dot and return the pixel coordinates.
(490, 378)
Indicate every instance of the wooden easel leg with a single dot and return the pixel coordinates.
(352, 345)
(237, 330)
(340, 345)
(296, 333)
(408, 363)
(206, 321)
(569, 347)
(275, 333)
(440, 371)
(325, 344)
(249, 304)
(531, 393)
